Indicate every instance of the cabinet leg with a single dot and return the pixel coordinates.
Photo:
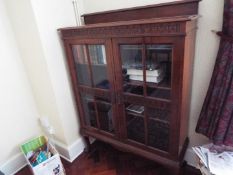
(176, 171)
(91, 150)
(87, 148)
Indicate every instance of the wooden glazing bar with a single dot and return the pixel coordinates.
(145, 91)
(92, 84)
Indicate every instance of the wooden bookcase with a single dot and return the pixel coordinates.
(131, 72)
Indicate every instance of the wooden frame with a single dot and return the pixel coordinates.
(176, 86)
(179, 32)
(179, 8)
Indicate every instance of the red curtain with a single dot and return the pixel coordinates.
(216, 118)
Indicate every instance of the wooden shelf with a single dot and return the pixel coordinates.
(150, 118)
(92, 64)
(159, 121)
(159, 93)
(135, 114)
(165, 84)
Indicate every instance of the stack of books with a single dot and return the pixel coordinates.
(215, 160)
(136, 108)
(153, 76)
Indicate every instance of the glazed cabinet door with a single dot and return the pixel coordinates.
(148, 90)
(92, 76)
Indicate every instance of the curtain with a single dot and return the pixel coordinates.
(216, 117)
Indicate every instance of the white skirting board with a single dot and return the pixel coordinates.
(69, 153)
(14, 164)
(191, 158)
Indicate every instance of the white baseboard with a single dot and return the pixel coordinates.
(14, 164)
(76, 149)
(69, 153)
(191, 158)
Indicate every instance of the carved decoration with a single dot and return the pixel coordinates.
(124, 30)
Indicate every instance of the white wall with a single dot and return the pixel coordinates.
(206, 51)
(34, 78)
(33, 57)
(62, 16)
(18, 112)
(206, 48)
(91, 6)
(35, 25)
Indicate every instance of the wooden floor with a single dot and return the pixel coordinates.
(113, 162)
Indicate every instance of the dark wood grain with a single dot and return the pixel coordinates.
(151, 27)
(177, 8)
(189, 48)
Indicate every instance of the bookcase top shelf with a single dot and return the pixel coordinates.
(141, 21)
(175, 8)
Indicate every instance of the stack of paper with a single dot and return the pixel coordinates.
(216, 163)
(155, 72)
(153, 76)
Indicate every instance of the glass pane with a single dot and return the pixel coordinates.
(105, 114)
(135, 122)
(131, 58)
(158, 135)
(99, 66)
(81, 64)
(158, 128)
(89, 109)
(159, 93)
(161, 115)
(134, 89)
(158, 73)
